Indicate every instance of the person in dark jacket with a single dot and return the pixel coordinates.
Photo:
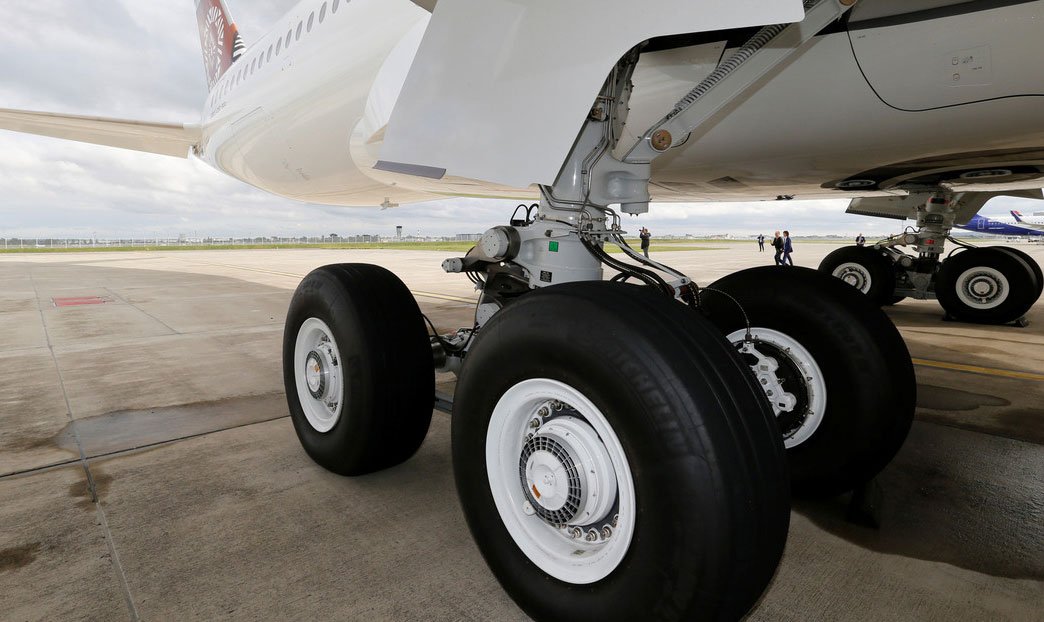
(777, 243)
(761, 242)
(860, 240)
(645, 235)
(788, 248)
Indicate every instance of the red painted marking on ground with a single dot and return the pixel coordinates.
(77, 301)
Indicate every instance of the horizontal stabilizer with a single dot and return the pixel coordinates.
(162, 138)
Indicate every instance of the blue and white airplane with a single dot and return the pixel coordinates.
(982, 224)
(1034, 222)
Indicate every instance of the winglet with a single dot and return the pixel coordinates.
(219, 38)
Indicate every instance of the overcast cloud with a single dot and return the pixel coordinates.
(141, 60)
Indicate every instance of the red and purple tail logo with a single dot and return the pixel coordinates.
(218, 37)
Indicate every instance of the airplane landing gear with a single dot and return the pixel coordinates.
(992, 285)
(615, 457)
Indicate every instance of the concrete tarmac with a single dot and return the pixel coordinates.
(148, 469)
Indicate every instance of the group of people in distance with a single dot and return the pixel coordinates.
(782, 245)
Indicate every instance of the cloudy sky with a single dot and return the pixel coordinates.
(141, 60)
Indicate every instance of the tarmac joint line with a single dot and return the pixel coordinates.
(983, 371)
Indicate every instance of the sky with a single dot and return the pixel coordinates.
(141, 60)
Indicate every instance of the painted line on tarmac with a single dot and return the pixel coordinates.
(984, 371)
(469, 301)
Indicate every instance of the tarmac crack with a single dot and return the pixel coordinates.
(142, 311)
(91, 484)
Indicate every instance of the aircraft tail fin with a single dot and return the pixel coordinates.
(219, 38)
(1017, 215)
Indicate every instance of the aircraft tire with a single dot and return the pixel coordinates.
(840, 361)
(355, 338)
(987, 285)
(1038, 274)
(864, 268)
(693, 447)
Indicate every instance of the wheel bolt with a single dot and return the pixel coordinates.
(543, 412)
(575, 533)
(535, 423)
(616, 520)
(592, 535)
(607, 532)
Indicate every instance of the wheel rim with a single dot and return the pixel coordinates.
(855, 275)
(790, 377)
(982, 287)
(560, 480)
(318, 375)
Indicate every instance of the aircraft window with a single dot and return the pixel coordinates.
(269, 57)
(322, 13)
(311, 19)
(289, 36)
(300, 25)
(334, 7)
(279, 46)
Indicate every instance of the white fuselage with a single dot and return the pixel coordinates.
(892, 100)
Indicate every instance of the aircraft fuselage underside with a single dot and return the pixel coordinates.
(926, 92)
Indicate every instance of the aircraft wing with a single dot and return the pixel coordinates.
(499, 89)
(162, 138)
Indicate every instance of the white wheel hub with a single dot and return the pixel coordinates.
(982, 287)
(854, 274)
(318, 374)
(560, 480)
(780, 362)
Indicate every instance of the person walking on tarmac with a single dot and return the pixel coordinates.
(645, 235)
(761, 242)
(777, 244)
(788, 248)
(860, 240)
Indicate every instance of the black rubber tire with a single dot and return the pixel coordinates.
(1022, 286)
(387, 364)
(882, 272)
(1038, 274)
(708, 466)
(870, 384)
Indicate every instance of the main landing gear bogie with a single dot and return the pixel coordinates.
(986, 285)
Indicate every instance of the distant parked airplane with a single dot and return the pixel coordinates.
(982, 224)
(1036, 222)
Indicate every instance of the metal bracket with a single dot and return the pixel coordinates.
(735, 77)
(593, 176)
